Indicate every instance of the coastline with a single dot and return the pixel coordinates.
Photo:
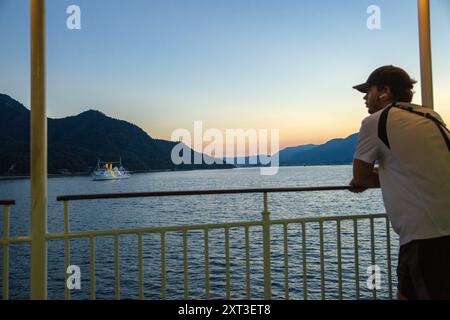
(77, 174)
(85, 174)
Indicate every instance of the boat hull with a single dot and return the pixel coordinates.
(110, 175)
(103, 178)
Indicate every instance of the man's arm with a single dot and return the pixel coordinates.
(364, 175)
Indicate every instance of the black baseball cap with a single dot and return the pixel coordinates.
(387, 75)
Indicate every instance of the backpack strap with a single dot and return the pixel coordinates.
(382, 124)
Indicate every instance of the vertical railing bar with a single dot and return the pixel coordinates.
(66, 217)
(322, 262)
(305, 273)
(286, 262)
(6, 252)
(247, 262)
(207, 293)
(186, 276)
(372, 252)
(388, 253)
(355, 237)
(140, 267)
(266, 249)
(339, 256)
(116, 267)
(92, 266)
(163, 266)
(67, 248)
(227, 263)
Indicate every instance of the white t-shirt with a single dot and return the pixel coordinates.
(414, 173)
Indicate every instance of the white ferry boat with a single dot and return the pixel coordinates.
(106, 171)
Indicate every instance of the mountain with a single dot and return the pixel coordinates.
(336, 151)
(76, 142)
(291, 152)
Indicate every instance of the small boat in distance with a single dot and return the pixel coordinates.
(106, 171)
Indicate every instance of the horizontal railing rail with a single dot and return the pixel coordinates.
(198, 192)
(7, 202)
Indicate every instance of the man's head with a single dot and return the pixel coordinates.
(385, 85)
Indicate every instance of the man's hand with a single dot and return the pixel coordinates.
(365, 175)
(355, 188)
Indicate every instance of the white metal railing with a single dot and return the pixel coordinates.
(265, 224)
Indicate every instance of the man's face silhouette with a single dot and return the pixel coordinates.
(376, 99)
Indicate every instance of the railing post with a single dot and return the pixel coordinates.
(38, 154)
(66, 249)
(266, 250)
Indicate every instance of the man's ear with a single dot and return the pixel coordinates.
(387, 90)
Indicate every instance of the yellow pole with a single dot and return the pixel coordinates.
(38, 154)
(425, 53)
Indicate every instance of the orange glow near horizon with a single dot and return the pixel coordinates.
(294, 128)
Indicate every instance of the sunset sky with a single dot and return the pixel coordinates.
(262, 64)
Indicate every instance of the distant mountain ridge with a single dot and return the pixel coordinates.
(76, 142)
(333, 152)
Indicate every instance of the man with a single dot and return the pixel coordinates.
(412, 146)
